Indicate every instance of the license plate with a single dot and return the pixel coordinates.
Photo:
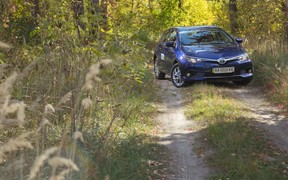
(223, 70)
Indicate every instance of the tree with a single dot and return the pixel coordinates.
(233, 16)
(286, 20)
(78, 11)
(36, 10)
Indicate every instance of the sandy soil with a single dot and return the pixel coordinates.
(178, 136)
(267, 116)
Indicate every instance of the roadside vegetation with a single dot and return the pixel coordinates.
(76, 92)
(75, 103)
(73, 114)
(239, 149)
(271, 67)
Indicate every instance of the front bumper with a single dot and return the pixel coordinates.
(203, 71)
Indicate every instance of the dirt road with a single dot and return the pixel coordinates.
(178, 136)
(265, 115)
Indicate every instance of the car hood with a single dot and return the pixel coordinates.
(214, 51)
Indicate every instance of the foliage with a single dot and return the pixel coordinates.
(261, 19)
(55, 44)
(183, 13)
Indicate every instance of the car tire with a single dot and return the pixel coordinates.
(158, 74)
(176, 76)
(242, 82)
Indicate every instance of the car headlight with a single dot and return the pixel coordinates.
(193, 59)
(244, 57)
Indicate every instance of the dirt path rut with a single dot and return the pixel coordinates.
(178, 136)
(266, 116)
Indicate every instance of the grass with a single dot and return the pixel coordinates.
(240, 151)
(67, 93)
(134, 158)
(271, 72)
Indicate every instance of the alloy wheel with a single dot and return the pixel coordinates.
(176, 76)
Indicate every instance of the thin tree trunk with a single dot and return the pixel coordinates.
(78, 10)
(180, 4)
(104, 7)
(233, 16)
(286, 20)
(36, 10)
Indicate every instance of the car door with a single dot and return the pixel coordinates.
(169, 52)
(161, 50)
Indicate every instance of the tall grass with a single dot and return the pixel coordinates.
(239, 149)
(271, 69)
(72, 109)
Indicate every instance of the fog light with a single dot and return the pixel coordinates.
(188, 74)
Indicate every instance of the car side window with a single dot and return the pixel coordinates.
(172, 36)
(166, 36)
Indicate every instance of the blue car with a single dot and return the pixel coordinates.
(201, 53)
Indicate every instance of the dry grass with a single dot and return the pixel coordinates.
(271, 72)
(66, 94)
(14, 144)
(12, 114)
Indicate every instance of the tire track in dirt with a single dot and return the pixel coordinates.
(266, 116)
(178, 136)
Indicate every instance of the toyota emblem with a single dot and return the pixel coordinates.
(221, 61)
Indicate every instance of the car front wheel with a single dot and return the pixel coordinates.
(158, 74)
(176, 76)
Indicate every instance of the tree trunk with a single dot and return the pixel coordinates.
(36, 10)
(233, 16)
(78, 10)
(286, 21)
(99, 10)
(104, 7)
(180, 4)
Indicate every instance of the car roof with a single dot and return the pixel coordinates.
(187, 28)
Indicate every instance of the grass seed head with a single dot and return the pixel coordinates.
(49, 109)
(21, 112)
(15, 144)
(63, 162)
(91, 76)
(4, 45)
(40, 161)
(94, 70)
(86, 103)
(61, 175)
(78, 135)
(6, 85)
(64, 99)
(43, 123)
(106, 61)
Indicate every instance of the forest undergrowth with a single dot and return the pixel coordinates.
(72, 114)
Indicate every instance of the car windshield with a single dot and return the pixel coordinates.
(204, 36)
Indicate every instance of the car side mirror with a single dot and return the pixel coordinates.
(169, 44)
(239, 40)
